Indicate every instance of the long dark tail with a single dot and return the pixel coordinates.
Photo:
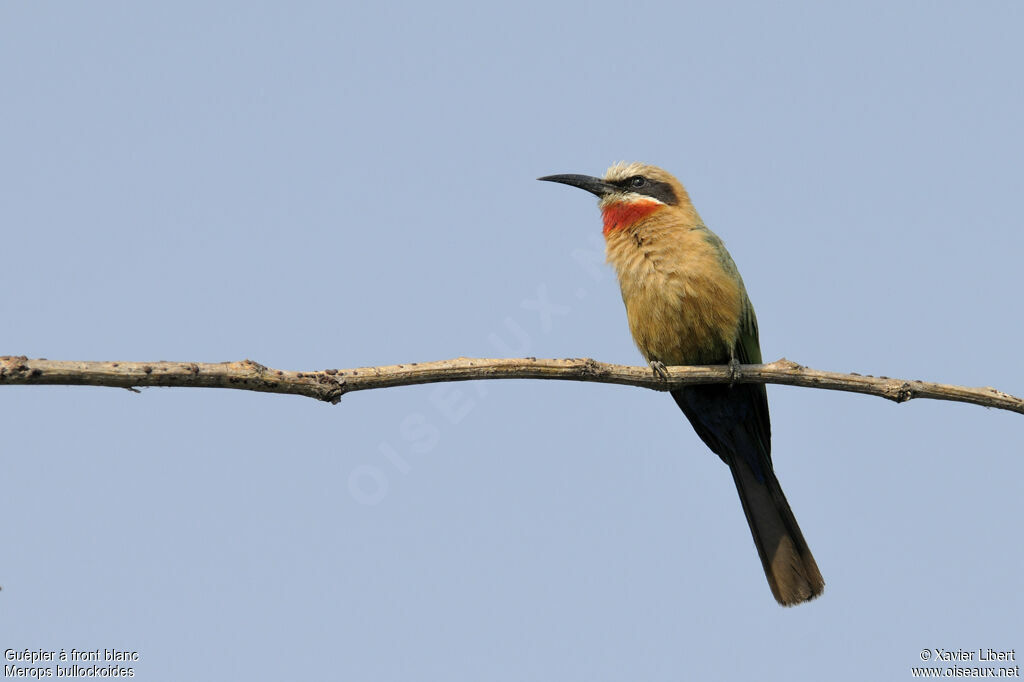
(792, 573)
(733, 422)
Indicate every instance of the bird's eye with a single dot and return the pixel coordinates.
(637, 181)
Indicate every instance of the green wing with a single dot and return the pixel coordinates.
(748, 352)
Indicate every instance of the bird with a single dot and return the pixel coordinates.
(686, 305)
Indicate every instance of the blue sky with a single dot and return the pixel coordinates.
(339, 185)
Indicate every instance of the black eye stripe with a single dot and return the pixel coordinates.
(662, 191)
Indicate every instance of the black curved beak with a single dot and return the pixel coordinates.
(591, 184)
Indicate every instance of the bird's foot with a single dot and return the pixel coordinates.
(659, 369)
(734, 371)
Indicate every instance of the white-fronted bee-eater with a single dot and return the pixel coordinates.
(687, 305)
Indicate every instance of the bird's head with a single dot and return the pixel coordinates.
(632, 192)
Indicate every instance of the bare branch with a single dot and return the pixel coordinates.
(330, 384)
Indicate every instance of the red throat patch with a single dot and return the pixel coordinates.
(622, 214)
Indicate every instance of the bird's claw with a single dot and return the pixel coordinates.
(734, 371)
(659, 369)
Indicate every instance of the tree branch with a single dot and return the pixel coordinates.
(330, 384)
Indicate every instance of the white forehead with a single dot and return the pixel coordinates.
(623, 170)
